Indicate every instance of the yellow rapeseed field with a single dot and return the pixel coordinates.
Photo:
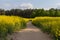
(50, 25)
(10, 24)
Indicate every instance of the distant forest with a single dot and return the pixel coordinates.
(31, 13)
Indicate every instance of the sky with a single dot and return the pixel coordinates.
(27, 4)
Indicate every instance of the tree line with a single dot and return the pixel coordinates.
(31, 13)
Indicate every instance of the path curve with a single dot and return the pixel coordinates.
(30, 33)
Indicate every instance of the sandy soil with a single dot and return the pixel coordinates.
(30, 33)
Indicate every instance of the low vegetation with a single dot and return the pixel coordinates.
(50, 25)
(10, 24)
(28, 19)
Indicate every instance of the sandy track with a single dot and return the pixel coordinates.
(30, 33)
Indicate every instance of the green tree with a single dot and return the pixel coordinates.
(52, 12)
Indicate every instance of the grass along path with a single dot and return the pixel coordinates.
(30, 33)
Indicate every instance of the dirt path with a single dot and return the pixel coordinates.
(30, 33)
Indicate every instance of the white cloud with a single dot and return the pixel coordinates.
(26, 6)
(58, 4)
(7, 5)
(18, 6)
(43, 8)
(46, 8)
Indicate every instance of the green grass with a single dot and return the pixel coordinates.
(50, 25)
